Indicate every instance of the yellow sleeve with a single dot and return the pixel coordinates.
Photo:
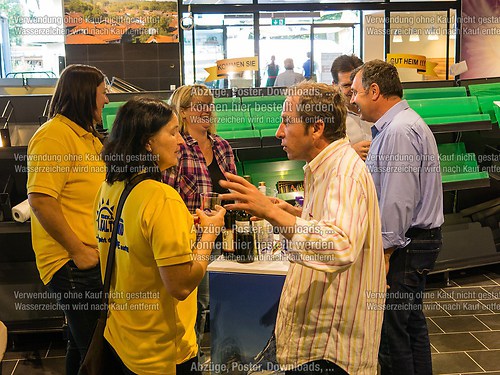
(48, 166)
(168, 227)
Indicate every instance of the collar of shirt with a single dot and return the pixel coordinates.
(331, 150)
(387, 118)
(81, 132)
(190, 141)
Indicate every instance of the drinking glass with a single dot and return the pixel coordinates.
(208, 202)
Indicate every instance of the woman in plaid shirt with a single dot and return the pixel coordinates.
(204, 158)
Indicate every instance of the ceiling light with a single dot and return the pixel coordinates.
(432, 34)
(397, 38)
(414, 36)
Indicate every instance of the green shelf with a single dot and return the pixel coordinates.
(257, 101)
(443, 107)
(460, 177)
(487, 106)
(233, 120)
(107, 122)
(434, 92)
(236, 134)
(485, 89)
(268, 132)
(451, 148)
(496, 108)
(226, 104)
(456, 119)
(459, 169)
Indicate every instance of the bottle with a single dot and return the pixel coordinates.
(262, 187)
(244, 242)
(228, 235)
(263, 230)
(248, 178)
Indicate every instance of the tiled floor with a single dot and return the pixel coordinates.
(463, 319)
(464, 322)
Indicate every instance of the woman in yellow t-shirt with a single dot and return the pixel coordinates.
(152, 314)
(65, 172)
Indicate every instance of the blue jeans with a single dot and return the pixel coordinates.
(80, 294)
(405, 346)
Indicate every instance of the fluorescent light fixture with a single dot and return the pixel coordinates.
(397, 38)
(432, 34)
(414, 36)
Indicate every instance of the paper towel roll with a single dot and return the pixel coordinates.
(21, 212)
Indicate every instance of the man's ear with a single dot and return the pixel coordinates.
(318, 129)
(374, 91)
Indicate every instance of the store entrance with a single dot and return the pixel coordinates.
(325, 35)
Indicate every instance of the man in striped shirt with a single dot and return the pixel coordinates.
(331, 308)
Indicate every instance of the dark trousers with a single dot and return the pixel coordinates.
(80, 295)
(405, 346)
(317, 367)
(190, 367)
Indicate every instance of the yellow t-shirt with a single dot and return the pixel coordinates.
(149, 329)
(64, 163)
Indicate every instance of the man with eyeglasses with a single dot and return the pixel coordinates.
(404, 163)
(358, 130)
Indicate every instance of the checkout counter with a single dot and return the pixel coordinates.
(243, 306)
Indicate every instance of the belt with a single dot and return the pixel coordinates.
(414, 232)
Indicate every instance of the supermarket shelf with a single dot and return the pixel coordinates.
(467, 184)
(461, 127)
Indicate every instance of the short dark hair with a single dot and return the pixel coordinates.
(319, 101)
(385, 75)
(344, 63)
(75, 95)
(125, 152)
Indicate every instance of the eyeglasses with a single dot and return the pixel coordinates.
(202, 107)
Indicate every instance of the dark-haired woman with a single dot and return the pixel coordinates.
(203, 160)
(152, 306)
(65, 173)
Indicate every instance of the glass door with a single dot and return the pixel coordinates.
(329, 43)
(283, 42)
(216, 37)
(208, 48)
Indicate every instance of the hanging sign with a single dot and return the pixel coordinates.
(226, 66)
(419, 62)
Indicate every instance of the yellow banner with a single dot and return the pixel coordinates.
(419, 62)
(226, 66)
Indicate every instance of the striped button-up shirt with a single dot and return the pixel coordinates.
(191, 177)
(332, 302)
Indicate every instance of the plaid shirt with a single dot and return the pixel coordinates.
(191, 177)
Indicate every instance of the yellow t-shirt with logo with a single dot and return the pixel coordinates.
(149, 329)
(64, 163)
